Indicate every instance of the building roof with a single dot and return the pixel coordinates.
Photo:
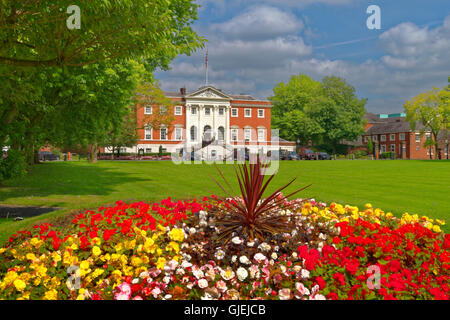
(391, 125)
(241, 97)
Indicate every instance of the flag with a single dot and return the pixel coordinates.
(206, 58)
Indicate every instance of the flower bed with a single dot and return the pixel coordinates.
(169, 250)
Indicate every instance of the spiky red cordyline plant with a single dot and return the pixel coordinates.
(254, 216)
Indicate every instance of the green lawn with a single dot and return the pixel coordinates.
(399, 186)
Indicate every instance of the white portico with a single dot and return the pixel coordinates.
(207, 116)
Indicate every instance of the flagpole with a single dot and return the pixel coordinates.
(206, 66)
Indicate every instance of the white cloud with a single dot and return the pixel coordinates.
(259, 23)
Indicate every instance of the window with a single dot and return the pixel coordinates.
(178, 110)
(148, 110)
(402, 136)
(207, 111)
(221, 111)
(178, 133)
(383, 148)
(366, 139)
(213, 153)
(392, 147)
(163, 133)
(193, 133)
(417, 137)
(261, 134)
(234, 134)
(383, 137)
(392, 137)
(148, 134)
(248, 134)
(428, 135)
(234, 112)
(374, 138)
(148, 150)
(194, 110)
(260, 113)
(221, 134)
(248, 113)
(207, 133)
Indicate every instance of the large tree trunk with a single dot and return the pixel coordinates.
(93, 153)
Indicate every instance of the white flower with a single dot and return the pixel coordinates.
(237, 240)
(250, 243)
(254, 272)
(305, 274)
(221, 285)
(134, 281)
(207, 296)
(284, 294)
(220, 254)
(274, 256)
(227, 274)
(203, 223)
(242, 274)
(166, 279)
(186, 264)
(259, 257)
(202, 283)
(322, 236)
(294, 255)
(180, 271)
(244, 260)
(192, 231)
(233, 258)
(168, 296)
(301, 289)
(319, 297)
(264, 247)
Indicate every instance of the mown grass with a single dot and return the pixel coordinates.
(399, 186)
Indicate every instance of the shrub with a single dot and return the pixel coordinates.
(13, 165)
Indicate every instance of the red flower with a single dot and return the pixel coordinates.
(321, 282)
(336, 240)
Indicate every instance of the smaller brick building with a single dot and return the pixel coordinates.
(392, 133)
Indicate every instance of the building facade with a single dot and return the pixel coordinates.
(392, 133)
(209, 122)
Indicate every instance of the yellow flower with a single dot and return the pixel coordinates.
(19, 284)
(74, 246)
(136, 261)
(160, 263)
(2, 250)
(84, 265)
(51, 295)
(176, 234)
(436, 229)
(96, 241)
(30, 256)
(173, 246)
(96, 251)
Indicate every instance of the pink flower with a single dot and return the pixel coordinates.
(284, 294)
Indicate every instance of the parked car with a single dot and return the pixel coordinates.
(290, 156)
(324, 156)
(308, 154)
(48, 156)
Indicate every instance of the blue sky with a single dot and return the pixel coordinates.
(255, 44)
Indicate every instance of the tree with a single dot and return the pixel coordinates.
(338, 111)
(35, 33)
(94, 103)
(432, 110)
(309, 110)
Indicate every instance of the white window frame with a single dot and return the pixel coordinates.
(366, 139)
(148, 150)
(221, 111)
(166, 133)
(390, 147)
(194, 111)
(151, 110)
(374, 138)
(162, 110)
(383, 138)
(235, 110)
(383, 148)
(209, 111)
(178, 134)
(390, 137)
(246, 131)
(402, 137)
(263, 113)
(417, 136)
(234, 133)
(146, 130)
(263, 131)
(245, 113)
(178, 110)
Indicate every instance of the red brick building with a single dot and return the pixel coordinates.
(211, 120)
(391, 133)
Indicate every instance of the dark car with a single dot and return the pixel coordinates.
(291, 156)
(308, 154)
(324, 156)
(48, 156)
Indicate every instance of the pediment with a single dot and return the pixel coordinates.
(208, 93)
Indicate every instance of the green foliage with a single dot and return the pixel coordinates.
(13, 166)
(160, 153)
(388, 155)
(370, 146)
(34, 33)
(322, 112)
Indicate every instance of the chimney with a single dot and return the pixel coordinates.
(183, 91)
